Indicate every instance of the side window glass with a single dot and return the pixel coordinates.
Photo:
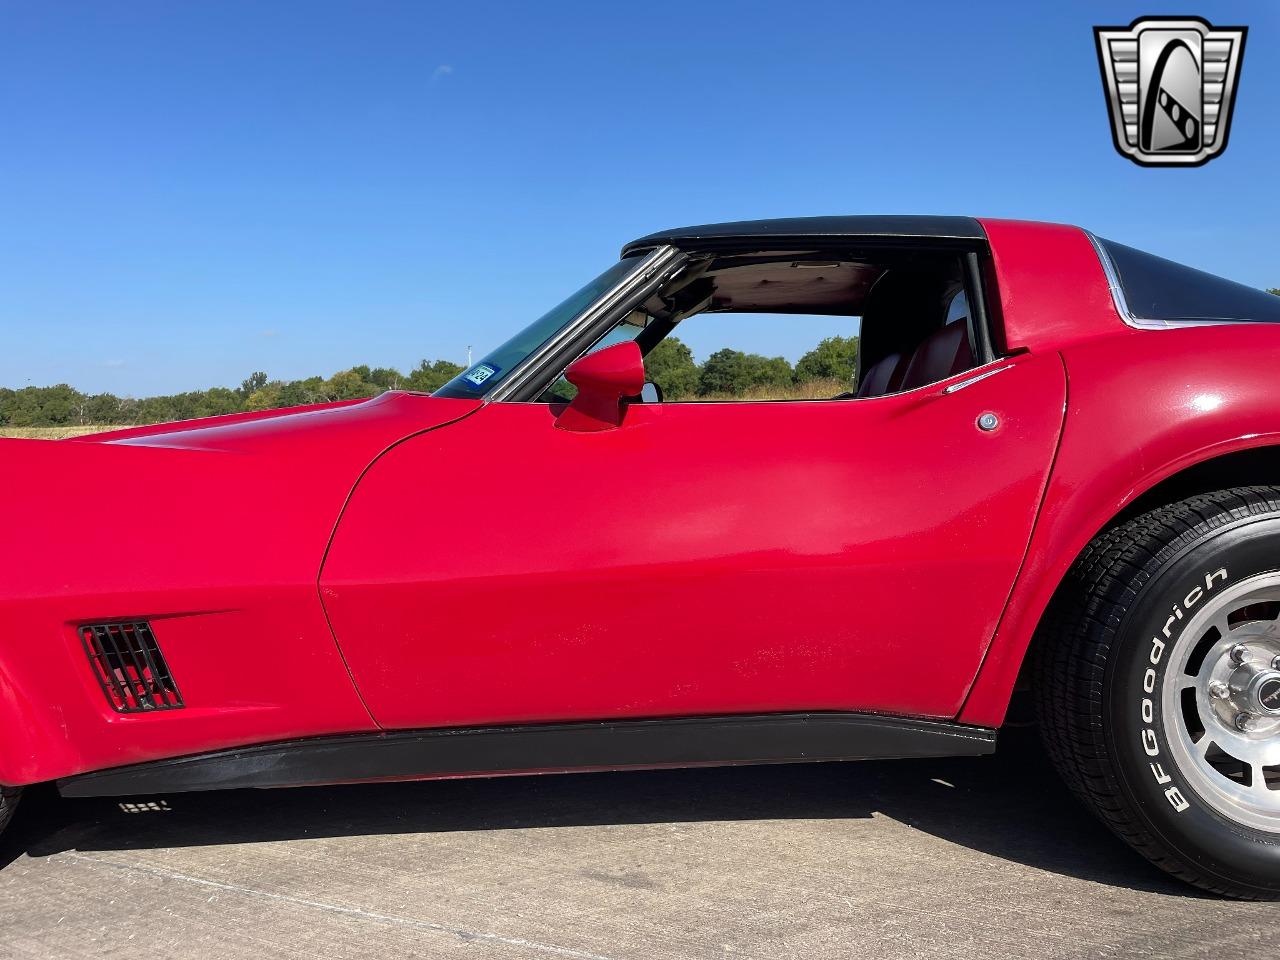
(756, 356)
(630, 327)
(771, 326)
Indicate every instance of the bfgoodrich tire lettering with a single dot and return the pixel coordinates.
(1106, 657)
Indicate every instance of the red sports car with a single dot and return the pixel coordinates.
(1057, 471)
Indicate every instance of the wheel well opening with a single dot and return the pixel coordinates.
(1259, 466)
(1244, 468)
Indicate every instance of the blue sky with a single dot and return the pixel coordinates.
(193, 191)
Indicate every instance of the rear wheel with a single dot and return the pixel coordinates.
(1158, 687)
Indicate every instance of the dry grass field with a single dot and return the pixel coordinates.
(809, 390)
(53, 433)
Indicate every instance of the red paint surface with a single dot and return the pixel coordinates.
(603, 378)
(878, 554)
(701, 558)
(217, 533)
(1052, 290)
(1143, 405)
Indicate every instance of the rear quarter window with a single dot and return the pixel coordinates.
(1158, 289)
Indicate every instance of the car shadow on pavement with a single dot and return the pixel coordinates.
(1010, 806)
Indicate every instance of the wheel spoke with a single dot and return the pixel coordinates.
(1219, 738)
(1220, 622)
(1258, 779)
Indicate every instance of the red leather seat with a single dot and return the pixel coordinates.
(884, 376)
(943, 353)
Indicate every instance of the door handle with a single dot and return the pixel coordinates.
(970, 381)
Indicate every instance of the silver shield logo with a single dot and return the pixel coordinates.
(1170, 85)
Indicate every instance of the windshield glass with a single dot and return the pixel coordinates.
(496, 365)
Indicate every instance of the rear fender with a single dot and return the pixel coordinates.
(1142, 407)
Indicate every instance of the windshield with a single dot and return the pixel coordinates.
(496, 365)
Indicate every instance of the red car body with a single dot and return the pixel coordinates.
(417, 563)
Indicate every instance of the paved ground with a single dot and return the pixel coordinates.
(957, 858)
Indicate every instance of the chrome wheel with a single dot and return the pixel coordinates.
(1158, 686)
(1221, 702)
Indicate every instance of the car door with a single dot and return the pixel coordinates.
(702, 558)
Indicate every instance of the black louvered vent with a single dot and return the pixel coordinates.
(130, 667)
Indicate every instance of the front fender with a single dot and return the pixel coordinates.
(214, 532)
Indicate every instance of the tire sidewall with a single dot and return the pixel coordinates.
(1139, 731)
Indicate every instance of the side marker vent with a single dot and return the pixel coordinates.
(130, 667)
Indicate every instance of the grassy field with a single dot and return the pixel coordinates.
(53, 433)
(810, 390)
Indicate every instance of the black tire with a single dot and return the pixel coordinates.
(9, 797)
(1093, 651)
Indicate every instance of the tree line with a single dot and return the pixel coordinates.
(670, 365)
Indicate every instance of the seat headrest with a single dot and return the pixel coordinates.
(943, 353)
(903, 308)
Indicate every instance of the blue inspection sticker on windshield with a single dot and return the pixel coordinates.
(480, 373)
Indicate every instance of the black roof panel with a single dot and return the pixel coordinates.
(794, 228)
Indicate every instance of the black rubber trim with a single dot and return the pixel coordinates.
(544, 748)
(808, 229)
(979, 324)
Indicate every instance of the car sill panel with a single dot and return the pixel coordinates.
(544, 748)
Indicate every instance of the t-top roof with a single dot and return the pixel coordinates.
(799, 228)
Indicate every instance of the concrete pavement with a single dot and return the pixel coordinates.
(982, 858)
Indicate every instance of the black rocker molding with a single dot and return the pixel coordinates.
(544, 748)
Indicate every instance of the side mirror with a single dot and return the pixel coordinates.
(603, 378)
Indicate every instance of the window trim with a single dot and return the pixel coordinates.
(941, 388)
(979, 320)
(1131, 319)
(1117, 291)
(539, 370)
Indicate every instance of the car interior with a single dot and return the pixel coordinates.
(909, 309)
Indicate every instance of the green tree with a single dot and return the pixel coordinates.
(349, 385)
(297, 393)
(22, 408)
(102, 408)
(725, 371)
(427, 377)
(156, 410)
(255, 381)
(217, 401)
(769, 371)
(54, 406)
(734, 372)
(835, 358)
(388, 378)
(1275, 290)
(266, 397)
(670, 365)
